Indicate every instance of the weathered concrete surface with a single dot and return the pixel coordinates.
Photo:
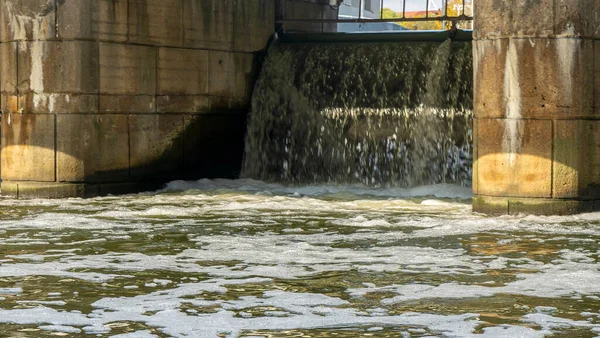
(231, 74)
(127, 69)
(95, 152)
(554, 77)
(116, 95)
(576, 159)
(536, 99)
(150, 135)
(28, 147)
(312, 9)
(156, 22)
(209, 24)
(512, 172)
(27, 20)
(183, 71)
(247, 35)
(105, 20)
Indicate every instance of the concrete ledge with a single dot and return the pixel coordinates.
(537, 206)
(394, 36)
(27, 190)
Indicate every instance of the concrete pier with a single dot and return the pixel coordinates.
(537, 106)
(111, 96)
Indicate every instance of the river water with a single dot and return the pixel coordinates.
(249, 259)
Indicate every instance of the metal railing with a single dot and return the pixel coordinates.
(461, 11)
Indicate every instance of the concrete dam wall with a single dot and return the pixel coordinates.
(120, 95)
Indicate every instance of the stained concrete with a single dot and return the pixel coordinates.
(299, 10)
(537, 148)
(28, 149)
(92, 148)
(116, 95)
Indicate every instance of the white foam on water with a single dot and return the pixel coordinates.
(568, 278)
(249, 185)
(234, 238)
(551, 324)
(137, 334)
(60, 328)
(311, 311)
(44, 302)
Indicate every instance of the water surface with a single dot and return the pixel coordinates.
(249, 259)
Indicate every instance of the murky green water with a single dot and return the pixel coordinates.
(246, 259)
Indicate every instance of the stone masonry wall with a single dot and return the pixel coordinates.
(307, 9)
(537, 106)
(112, 93)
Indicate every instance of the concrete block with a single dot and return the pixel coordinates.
(507, 18)
(28, 147)
(543, 206)
(25, 190)
(58, 103)
(231, 74)
(9, 103)
(226, 104)
(541, 78)
(597, 93)
(127, 104)
(27, 20)
(576, 172)
(519, 166)
(254, 22)
(101, 19)
(489, 63)
(329, 13)
(597, 55)
(213, 145)
(127, 69)
(92, 148)
(156, 22)
(182, 71)
(156, 145)
(303, 10)
(208, 24)
(8, 67)
(10, 189)
(475, 175)
(490, 205)
(597, 77)
(538, 206)
(58, 67)
(577, 18)
(183, 104)
(8, 77)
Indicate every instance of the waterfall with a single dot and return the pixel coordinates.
(380, 114)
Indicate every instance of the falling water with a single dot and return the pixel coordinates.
(381, 114)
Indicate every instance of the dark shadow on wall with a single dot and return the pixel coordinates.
(196, 146)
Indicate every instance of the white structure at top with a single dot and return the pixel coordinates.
(371, 9)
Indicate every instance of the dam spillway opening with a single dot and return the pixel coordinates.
(382, 114)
